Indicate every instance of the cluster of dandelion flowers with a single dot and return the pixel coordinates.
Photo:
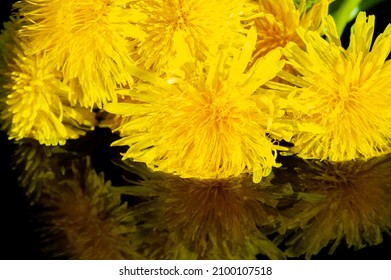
(33, 98)
(277, 22)
(213, 123)
(172, 29)
(83, 39)
(356, 205)
(203, 219)
(82, 218)
(342, 96)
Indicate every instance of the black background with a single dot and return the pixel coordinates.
(18, 239)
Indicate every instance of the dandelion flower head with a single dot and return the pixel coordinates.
(277, 22)
(85, 40)
(211, 124)
(341, 97)
(34, 98)
(180, 28)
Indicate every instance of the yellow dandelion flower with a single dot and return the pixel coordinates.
(85, 40)
(356, 208)
(204, 219)
(34, 99)
(341, 99)
(83, 219)
(277, 22)
(172, 28)
(211, 124)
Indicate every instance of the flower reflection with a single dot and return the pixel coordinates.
(356, 207)
(78, 216)
(188, 218)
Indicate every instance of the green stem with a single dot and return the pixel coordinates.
(346, 11)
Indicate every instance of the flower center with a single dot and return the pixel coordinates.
(181, 19)
(218, 112)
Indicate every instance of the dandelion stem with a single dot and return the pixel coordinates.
(346, 11)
